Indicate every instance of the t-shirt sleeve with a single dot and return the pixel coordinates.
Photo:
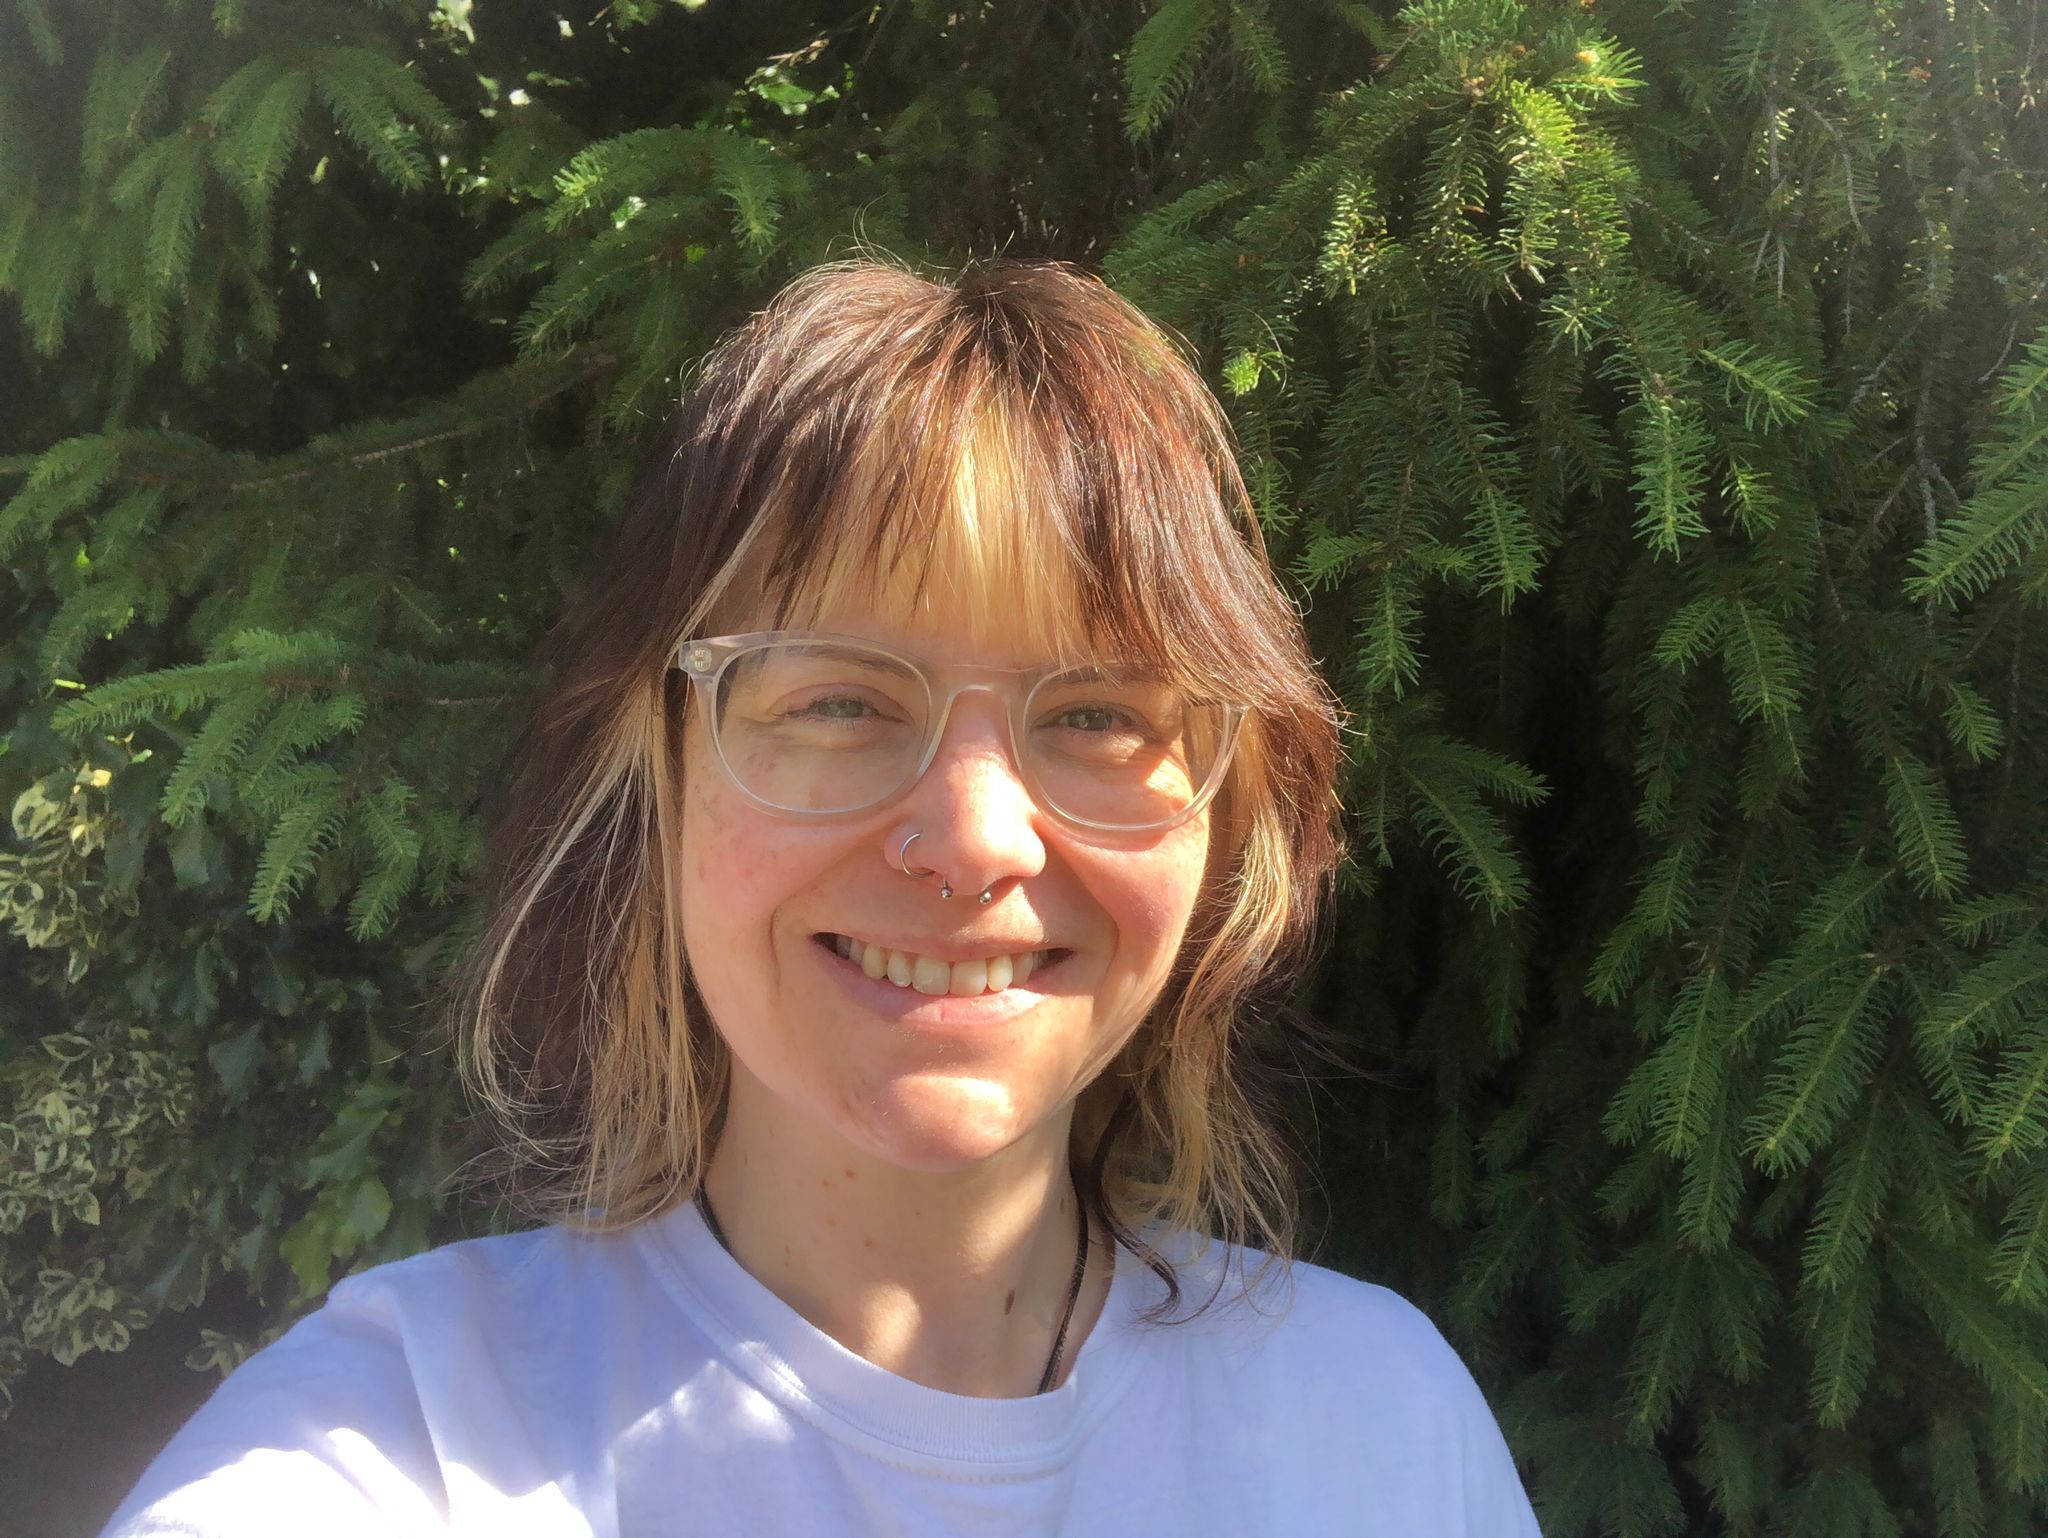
(1393, 1406)
(318, 1434)
(1493, 1502)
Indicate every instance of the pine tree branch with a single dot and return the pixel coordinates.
(346, 678)
(596, 360)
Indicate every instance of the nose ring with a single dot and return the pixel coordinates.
(945, 886)
(903, 864)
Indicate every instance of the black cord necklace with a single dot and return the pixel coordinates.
(1059, 1341)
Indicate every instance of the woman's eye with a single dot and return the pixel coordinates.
(833, 707)
(1101, 720)
(1090, 718)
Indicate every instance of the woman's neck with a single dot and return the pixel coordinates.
(956, 1280)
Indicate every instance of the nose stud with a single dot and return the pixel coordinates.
(945, 886)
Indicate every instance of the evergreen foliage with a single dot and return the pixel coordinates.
(1648, 400)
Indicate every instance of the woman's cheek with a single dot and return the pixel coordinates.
(1174, 884)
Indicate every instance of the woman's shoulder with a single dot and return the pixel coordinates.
(350, 1406)
(1312, 1301)
(490, 1268)
(1310, 1325)
(518, 1302)
(1351, 1331)
(1331, 1383)
(1331, 1309)
(506, 1267)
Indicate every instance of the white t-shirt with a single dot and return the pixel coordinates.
(642, 1383)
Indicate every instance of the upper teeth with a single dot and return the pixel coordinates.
(927, 974)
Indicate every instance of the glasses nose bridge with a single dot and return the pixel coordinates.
(1006, 685)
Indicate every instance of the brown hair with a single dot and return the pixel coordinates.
(1021, 429)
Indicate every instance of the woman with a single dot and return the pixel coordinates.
(931, 794)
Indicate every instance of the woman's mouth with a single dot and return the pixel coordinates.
(930, 975)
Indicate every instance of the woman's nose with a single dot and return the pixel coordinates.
(978, 823)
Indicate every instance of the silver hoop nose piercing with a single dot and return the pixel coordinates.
(945, 887)
(903, 864)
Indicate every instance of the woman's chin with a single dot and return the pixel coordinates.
(939, 1122)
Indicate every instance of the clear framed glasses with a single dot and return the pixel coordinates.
(820, 725)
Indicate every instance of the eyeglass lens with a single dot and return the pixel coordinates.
(827, 727)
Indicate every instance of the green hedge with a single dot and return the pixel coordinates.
(1648, 398)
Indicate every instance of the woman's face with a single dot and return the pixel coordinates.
(921, 1080)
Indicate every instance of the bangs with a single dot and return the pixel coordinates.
(954, 523)
(1057, 493)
